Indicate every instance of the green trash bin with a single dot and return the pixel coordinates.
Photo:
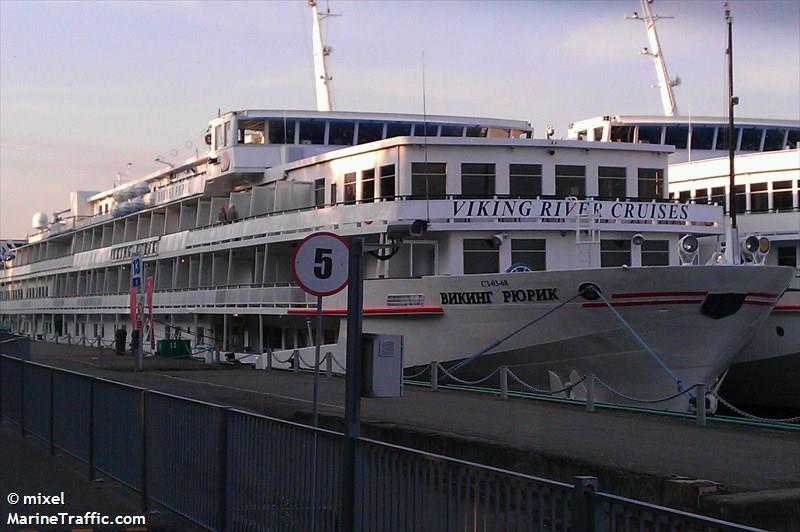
(174, 348)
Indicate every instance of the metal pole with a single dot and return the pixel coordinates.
(701, 404)
(143, 450)
(351, 482)
(504, 382)
(590, 392)
(316, 361)
(91, 429)
(732, 100)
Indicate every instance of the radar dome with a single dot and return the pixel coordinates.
(40, 220)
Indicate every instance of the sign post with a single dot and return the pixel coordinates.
(137, 312)
(320, 267)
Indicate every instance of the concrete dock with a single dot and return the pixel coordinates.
(742, 473)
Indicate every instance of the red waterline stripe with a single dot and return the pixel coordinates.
(787, 308)
(762, 294)
(657, 294)
(758, 302)
(645, 303)
(386, 310)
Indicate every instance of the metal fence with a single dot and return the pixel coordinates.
(226, 469)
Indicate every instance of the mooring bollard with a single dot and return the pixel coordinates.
(701, 404)
(434, 375)
(295, 360)
(269, 359)
(328, 364)
(590, 393)
(504, 382)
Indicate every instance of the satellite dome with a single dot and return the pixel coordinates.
(40, 221)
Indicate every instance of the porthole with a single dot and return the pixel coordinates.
(779, 330)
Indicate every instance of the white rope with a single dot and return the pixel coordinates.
(414, 376)
(534, 389)
(640, 400)
(469, 383)
(753, 416)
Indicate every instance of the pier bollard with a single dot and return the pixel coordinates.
(701, 404)
(504, 383)
(269, 359)
(590, 392)
(329, 364)
(295, 360)
(434, 375)
(587, 515)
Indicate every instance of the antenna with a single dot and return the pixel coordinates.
(733, 239)
(425, 141)
(664, 83)
(321, 52)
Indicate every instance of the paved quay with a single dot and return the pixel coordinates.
(748, 471)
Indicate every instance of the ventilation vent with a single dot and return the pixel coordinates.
(405, 300)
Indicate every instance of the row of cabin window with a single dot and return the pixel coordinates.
(482, 256)
(705, 137)
(754, 197)
(345, 133)
(428, 180)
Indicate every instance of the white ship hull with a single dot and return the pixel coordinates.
(664, 305)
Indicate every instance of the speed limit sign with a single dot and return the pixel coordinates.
(319, 264)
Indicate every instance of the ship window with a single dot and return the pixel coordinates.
(650, 134)
(787, 256)
(651, 182)
(369, 132)
(497, 133)
(774, 139)
(251, 132)
(570, 180)
(350, 187)
(452, 131)
(477, 180)
(655, 253)
(793, 139)
(684, 196)
(387, 182)
(281, 131)
(703, 137)
(740, 198)
(530, 252)
(621, 133)
(581, 135)
(525, 180)
(521, 134)
(611, 181)
(319, 192)
(759, 200)
(227, 134)
(701, 196)
(751, 139)
(676, 136)
(426, 130)
(341, 133)
(428, 180)
(423, 258)
(398, 129)
(334, 197)
(368, 185)
(476, 131)
(218, 137)
(598, 133)
(719, 197)
(312, 132)
(722, 138)
(481, 256)
(782, 195)
(615, 253)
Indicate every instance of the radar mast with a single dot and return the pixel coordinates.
(322, 80)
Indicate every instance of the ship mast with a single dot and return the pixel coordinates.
(321, 52)
(664, 83)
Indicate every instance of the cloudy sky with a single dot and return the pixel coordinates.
(88, 87)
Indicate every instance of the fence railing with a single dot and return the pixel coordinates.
(227, 469)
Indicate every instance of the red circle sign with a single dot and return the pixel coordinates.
(320, 263)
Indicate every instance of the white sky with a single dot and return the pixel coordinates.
(86, 87)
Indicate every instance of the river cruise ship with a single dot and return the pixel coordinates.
(507, 229)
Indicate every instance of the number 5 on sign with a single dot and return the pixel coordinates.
(319, 264)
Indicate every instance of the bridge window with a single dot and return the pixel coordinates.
(281, 131)
(341, 133)
(651, 182)
(350, 188)
(684, 196)
(218, 142)
(312, 132)
(319, 192)
(793, 139)
(655, 253)
(598, 133)
(426, 130)
(650, 134)
(722, 138)
(751, 139)
(782, 195)
(529, 251)
(477, 180)
(622, 133)
(773, 140)
(615, 253)
(368, 185)
(481, 256)
(334, 195)
(703, 137)
(387, 182)
(787, 256)
(676, 136)
(525, 180)
(369, 132)
(719, 196)
(428, 180)
(759, 200)
(570, 180)
(612, 181)
(452, 131)
(398, 129)
(701, 196)
(251, 132)
(476, 131)
(498, 133)
(740, 198)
